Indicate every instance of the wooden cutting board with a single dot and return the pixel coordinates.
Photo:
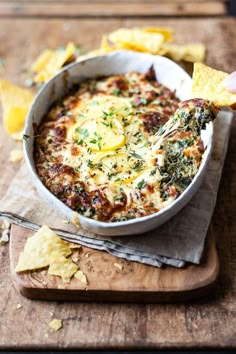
(125, 282)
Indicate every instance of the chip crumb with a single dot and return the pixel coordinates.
(61, 286)
(55, 324)
(75, 220)
(63, 268)
(81, 276)
(74, 246)
(19, 306)
(16, 155)
(118, 265)
(75, 258)
(43, 282)
(4, 236)
(65, 221)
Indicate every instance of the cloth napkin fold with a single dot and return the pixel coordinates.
(179, 240)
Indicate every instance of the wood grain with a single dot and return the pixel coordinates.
(206, 324)
(135, 282)
(112, 8)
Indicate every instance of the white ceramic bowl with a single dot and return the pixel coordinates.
(169, 74)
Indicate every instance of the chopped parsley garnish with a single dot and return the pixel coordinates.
(83, 132)
(80, 142)
(141, 184)
(156, 102)
(117, 179)
(138, 166)
(117, 92)
(89, 163)
(153, 172)
(97, 140)
(108, 114)
(125, 121)
(137, 156)
(25, 136)
(118, 197)
(144, 100)
(79, 189)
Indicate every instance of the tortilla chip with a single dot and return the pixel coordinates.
(105, 43)
(16, 103)
(43, 59)
(55, 324)
(208, 84)
(190, 52)
(81, 277)
(63, 268)
(118, 265)
(51, 61)
(137, 39)
(16, 155)
(41, 250)
(195, 52)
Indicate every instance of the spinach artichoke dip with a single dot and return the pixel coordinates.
(121, 147)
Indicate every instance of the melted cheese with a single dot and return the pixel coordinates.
(101, 151)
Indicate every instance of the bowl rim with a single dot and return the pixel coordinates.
(134, 221)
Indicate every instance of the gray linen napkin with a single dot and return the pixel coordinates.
(179, 240)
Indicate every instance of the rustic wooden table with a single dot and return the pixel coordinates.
(209, 323)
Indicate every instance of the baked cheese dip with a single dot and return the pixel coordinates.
(121, 147)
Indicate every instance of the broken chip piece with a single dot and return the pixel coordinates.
(208, 84)
(16, 155)
(16, 103)
(194, 52)
(81, 277)
(51, 61)
(63, 267)
(55, 324)
(41, 250)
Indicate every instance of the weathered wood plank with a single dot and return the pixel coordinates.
(112, 8)
(210, 323)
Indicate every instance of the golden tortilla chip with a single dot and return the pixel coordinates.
(42, 60)
(190, 52)
(51, 61)
(81, 277)
(74, 246)
(55, 324)
(16, 103)
(16, 155)
(137, 39)
(118, 265)
(195, 52)
(63, 268)
(208, 84)
(41, 250)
